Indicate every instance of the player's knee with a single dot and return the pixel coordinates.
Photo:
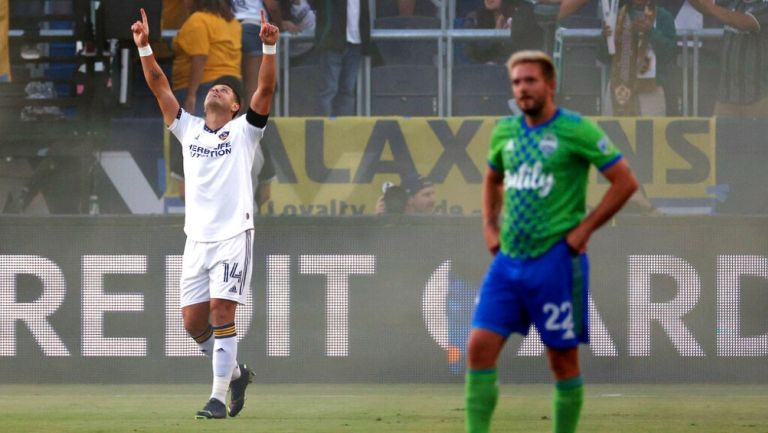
(564, 367)
(565, 373)
(481, 354)
(222, 312)
(195, 326)
(478, 361)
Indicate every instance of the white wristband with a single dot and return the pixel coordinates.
(269, 49)
(145, 51)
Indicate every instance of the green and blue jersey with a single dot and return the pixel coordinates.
(545, 172)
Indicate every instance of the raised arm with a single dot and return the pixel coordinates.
(261, 101)
(153, 74)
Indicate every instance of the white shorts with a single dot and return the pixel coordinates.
(220, 270)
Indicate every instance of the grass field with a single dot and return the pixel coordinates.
(377, 408)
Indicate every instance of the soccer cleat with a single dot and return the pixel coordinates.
(213, 409)
(237, 388)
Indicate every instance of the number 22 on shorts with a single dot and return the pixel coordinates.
(560, 318)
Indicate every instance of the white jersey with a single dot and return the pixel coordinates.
(248, 10)
(217, 175)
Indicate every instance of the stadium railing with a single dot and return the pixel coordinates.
(689, 40)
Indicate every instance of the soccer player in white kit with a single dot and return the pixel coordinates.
(218, 154)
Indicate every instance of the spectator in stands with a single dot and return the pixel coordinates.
(464, 7)
(420, 197)
(744, 63)
(525, 30)
(248, 13)
(421, 194)
(206, 48)
(394, 200)
(492, 14)
(546, 13)
(172, 18)
(416, 7)
(298, 17)
(174, 14)
(645, 41)
(342, 37)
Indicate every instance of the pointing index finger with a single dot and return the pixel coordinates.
(263, 18)
(144, 17)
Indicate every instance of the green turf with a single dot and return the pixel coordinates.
(377, 408)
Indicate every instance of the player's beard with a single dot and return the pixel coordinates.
(212, 104)
(215, 105)
(534, 107)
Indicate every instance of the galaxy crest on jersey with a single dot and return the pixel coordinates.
(545, 177)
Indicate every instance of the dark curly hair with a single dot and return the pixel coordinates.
(222, 8)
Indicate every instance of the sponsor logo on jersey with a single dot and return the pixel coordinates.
(222, 149)
(548, 144)
(530, 178)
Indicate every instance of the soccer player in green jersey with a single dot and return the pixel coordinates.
(537, 174)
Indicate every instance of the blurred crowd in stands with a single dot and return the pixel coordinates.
(636, 52)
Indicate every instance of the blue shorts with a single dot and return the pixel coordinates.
(550, 291)
(251, 40)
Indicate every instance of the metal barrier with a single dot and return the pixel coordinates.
(689, 40)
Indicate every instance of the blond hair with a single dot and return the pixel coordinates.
(531, 56)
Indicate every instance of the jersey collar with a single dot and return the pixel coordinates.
(207, 129)
(527, 129)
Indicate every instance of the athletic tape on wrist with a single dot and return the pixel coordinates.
(269, 49)
(145, 51)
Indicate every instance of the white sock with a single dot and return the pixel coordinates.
(224, 360)
(220, 387)
(207, 348)
(205, 342)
